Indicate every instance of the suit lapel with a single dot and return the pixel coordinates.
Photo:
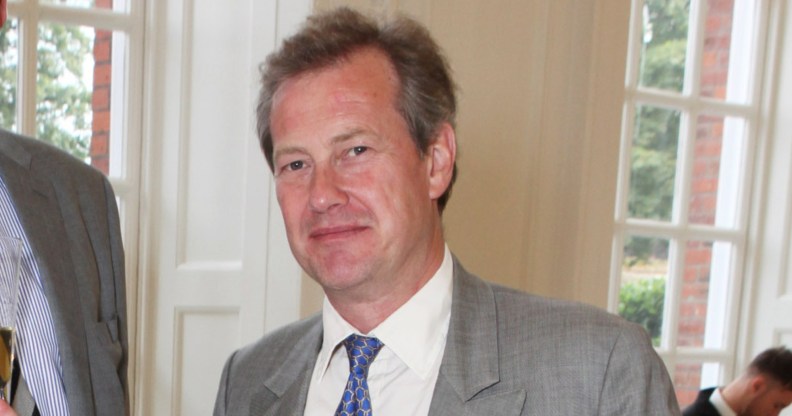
(292, 402)
(39, 213)
(470, 361)
(286, 391)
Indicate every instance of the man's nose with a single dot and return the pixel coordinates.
(326, 189)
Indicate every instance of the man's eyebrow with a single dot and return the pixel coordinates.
(343, 137)
(289, 150)
(340, 138)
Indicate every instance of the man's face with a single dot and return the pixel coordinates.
(356, 196)
(770, 402)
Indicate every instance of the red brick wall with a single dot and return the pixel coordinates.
(100, 140)
(703, 195)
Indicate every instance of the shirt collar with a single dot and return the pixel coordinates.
(720, 404)
(415, 332)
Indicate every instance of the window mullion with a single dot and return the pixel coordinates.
(98, 18)
(695, 41)
(674, 100)
(667, 230)
(676, 260)
(685, 152)
(617, 259)
(636, 42)
(26, 93)
(623, 187)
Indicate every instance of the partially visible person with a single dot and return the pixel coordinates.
(71, 326)
(764, 389)
(356, 120)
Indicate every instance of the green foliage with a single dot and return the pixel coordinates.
(63, 108)
(8, 66)
(656, 132)
(641, 301)
(644, 250)
(664, 65)
(669, 19)
(663, 58)
(653, 163)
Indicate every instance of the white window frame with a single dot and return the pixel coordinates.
(678, 230)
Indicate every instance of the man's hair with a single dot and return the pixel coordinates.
(775, 363)
(426, 93)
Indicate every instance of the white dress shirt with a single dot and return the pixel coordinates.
(37, 346)
(402, 377)
(720, 404)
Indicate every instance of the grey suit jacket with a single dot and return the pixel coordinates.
(70, 217)
(507, 353)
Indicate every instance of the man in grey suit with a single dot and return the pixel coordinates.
(71, 323)
(356, 121)
(68, 217)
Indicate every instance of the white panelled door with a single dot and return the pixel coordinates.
(216, 271)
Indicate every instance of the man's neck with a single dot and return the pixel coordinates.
(734, 394)
(366, 310)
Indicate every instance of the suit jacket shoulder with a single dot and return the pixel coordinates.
(507, 353)
(260, 378)
(25, 150)
(513, 353)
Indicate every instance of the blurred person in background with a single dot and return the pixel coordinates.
(764, 389)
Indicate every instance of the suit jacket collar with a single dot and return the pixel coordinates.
(18, 160)
(287, 386)
(471, 363)
(39, 212)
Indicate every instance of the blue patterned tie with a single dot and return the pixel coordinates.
(356, 400)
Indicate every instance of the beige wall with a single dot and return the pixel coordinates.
(541, 84)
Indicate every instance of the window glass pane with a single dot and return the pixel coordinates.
(689, 378)
(717, 169)
(9, 61)
(643, 283)
(63, 87)
(75, 92)
(704, 294)
(653, 163)
(664, 47)
(728, 49)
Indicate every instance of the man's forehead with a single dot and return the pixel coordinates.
(369, 61)
(360, 82)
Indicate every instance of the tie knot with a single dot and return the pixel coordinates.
(361, 351)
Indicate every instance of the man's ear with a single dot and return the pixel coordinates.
(758, 384)
(442, 155)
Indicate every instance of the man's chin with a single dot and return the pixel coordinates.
(337, 276)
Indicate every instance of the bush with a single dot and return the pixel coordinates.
(641, 301)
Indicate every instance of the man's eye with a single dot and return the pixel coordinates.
(296, 165)
(358, 150)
